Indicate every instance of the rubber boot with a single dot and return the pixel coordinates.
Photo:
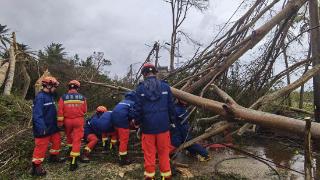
(123, 160)
(149, 178)
(85, 156)
(113, 148)
(56, 159)
(106, 147)
(165, 178)
(37, 170)
(74, 163)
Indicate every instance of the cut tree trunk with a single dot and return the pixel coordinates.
(38, 84)
(9, 82)
(315, 51)
(248, 115)
(3, 72)
(26, 81)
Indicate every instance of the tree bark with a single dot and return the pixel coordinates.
(248, 115)
(26, 79)
(3, 72)
(9, 82)
(315, 51)
(307, 151)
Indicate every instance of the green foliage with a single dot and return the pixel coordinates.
(16, 136)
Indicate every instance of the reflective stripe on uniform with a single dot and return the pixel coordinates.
(73, 102)
(37, 159)
(49, 103)
(165, 92)
(54, 150)
(69, 145)
(74, 154)
(151, 175)
(124, 104)
(166, 174)
(87, 148)
(60, 118)
(123, 153)
(113, 141)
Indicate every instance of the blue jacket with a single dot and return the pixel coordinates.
(44, 115)
(154, 106)
(87, 127)
(181, 134)
(102, 124)
(122, 113)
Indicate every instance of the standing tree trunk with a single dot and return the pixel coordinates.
(9, 82)
(315, 50)
(288, 74)
(3, 72)
(26, 79)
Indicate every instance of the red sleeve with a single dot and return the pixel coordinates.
(84, 106)
(60, 112)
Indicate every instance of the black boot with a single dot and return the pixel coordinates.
(113, 148)
(165, 178)
(56, 159)
(85, 157)
(123, 160)
(37, 170)
(74, 163)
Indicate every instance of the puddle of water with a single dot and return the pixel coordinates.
(276, 151)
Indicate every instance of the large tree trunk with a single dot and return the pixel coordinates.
(9, 82)
(3, 72)
(240, 113)
(315, 49)
(26, 79)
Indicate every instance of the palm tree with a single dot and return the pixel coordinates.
(4, 39)
(53, 53)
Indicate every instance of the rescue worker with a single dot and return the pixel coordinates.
(180, 133)
(45, 129)
(90, 135)
(72, 107)
(122, 115)
(99, 126)
(155, 112)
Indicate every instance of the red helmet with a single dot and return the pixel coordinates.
(101, 109)
(147, 68)
(74, 84)
(49, 80)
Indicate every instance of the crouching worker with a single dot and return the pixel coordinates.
(181, 133)
(90, 135)
(96, 127)
(122, 115)
(45, 128)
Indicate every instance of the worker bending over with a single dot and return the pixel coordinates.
(91, 135)
(122, 114)
(180, 133)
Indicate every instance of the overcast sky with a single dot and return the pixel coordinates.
(118, 28)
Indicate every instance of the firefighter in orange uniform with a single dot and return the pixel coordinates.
(72, 108)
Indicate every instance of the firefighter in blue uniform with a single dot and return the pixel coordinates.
(180, 133)
(156, 111)
(122, 114)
